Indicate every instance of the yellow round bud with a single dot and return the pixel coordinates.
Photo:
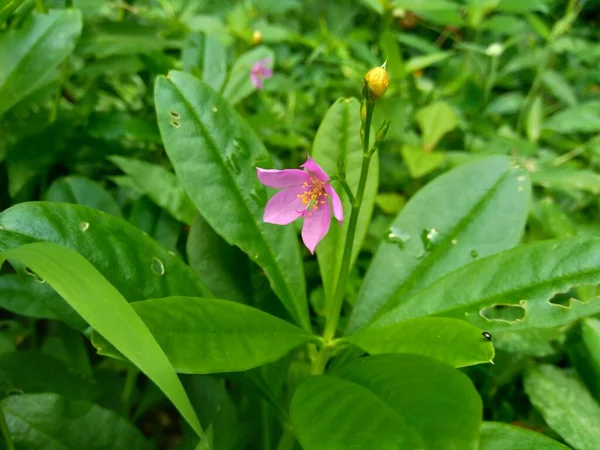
(256, 37)
(377, 80)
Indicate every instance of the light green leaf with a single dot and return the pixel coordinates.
(388, 402)
(160, 185)
(238, 85)
(224, 268)
(83, 191)
(559, 87)
(30, 52)
(104, 308)
(422, 62)
(451, 341)
(511, 290)
(201, 335)
(568, 179)
(205, 57)
(476, 209)
(52, 422)
(504, 104)
(534, 119)
(435, 121)
(501, 436)
(565, 404)
(215, 155)
(583, 118)
(131, 261)
(425, 5)
(34, 372)
(420, 162)
(338, 140)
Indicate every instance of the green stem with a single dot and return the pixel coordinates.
(335, 309)
(349, 193)
(132, 374)
(265, 421)
(39, 6)
(491, 80)
(4, 426)
(287, 441)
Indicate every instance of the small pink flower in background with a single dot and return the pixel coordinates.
(259, 72)
(304, 193)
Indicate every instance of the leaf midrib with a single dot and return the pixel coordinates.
(214, 148)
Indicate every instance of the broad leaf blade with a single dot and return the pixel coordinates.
(32, 51)
(566, 405)
(215, 154)
(475, 210)
(83, 191)
(338, 139)
(500, 436)
(511, 290)
(105, 309)
(202, 335)
(451, 341)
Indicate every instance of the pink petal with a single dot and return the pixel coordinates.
(256, 80)
(313, 167)
(285, 207)
(265, 72)
(338, 209)
(316, 225)
(282, 178)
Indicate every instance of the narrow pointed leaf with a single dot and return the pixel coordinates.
(104, 308)
(215, 155)
(512, 290)
(338, 139)
(472, 211)
(501, 436)
(451, 341)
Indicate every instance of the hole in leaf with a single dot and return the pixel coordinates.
(175, 115)
(157, 266)
(561, 299)
(175, 123)
(504, 313)
(31, 273)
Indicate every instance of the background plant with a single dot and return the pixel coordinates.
(146, 300)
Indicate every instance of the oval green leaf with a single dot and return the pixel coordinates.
(83, 191)
(566, 405)
(202, 335)
(338, 140)
(215, 154)
(106, 310)
(512, 290)
(451, 341)
(474, 210)
(501, 436)
(29, 53)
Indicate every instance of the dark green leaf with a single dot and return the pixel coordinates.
(15, 297)
(83, 191)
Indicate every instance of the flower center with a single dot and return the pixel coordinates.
(314, 194)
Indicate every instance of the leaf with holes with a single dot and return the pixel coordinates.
(451, 341)
(474, 210)
(566, 405)
(215, 154)
(512, 290)
(202, 335)
(500, 436)
(102, 306)
(337, 141)
(134, 263)
(388, 402)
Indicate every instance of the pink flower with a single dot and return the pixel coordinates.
(260, 71)
(304, 193)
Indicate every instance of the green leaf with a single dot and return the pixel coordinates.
(435, 121)
(478, 207)
(131, 261)
(422, 62)
(388, 402)
(568, 179)
(509, 103)
(205, 57)
(566, 405)
(201, 335)
(421, 162)
(83, 191)
(512, 290)
(500, 436)
(16, 298)
(30, 52)
(534, 119)
(590, 335)
(104, 308)
(559, 87)
(239, 86)
(224, 268)
(160, 185)
(215, 154)
(34, 372)
(425, 5)
(451, 341)
(53, 422)
(584, 118)
(338, 142)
